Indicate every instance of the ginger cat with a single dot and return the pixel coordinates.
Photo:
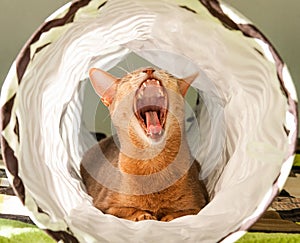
(158, 176)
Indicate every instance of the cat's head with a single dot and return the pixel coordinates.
(144, 104)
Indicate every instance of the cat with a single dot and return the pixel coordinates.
(147, 110)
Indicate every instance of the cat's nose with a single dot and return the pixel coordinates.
(149, 72)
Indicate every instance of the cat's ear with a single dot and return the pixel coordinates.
(185, 83)
(104, 84)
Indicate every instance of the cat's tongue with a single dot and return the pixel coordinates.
(154, 128)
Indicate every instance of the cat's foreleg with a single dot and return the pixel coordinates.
(129, 213)
(173, 215)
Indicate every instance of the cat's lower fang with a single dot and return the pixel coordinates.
(154, 131)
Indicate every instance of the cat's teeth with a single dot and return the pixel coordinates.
(161, 93)
(140, 96)
(145, 85)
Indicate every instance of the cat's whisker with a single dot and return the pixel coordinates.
(130, 66)
(123, 69)
(106, 118)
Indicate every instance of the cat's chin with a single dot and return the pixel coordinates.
(155, 139)
(158, 141)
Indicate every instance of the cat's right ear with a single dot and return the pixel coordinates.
(104, 84)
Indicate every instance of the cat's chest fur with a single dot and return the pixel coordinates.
(147, 110)
(186, 196)
(180, 196)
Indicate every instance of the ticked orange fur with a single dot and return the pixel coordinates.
(142, 155)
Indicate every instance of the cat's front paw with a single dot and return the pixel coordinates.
(139, 216)
(167, 218)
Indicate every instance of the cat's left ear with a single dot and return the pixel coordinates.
(185, 83)
(104, 84)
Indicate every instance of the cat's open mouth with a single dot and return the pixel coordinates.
(150, 107)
